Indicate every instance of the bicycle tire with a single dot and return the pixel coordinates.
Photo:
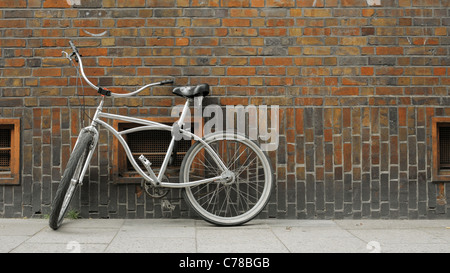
(244, 208)
(66, 189)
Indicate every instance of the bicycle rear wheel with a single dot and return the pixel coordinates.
(69, 182)
(237, 199)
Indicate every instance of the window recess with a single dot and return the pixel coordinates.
(153, 144)
(10, 151)
(441, 148)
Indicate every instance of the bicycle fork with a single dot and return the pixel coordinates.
(93, 130)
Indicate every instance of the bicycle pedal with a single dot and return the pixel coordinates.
(166, 204)
(147, 165)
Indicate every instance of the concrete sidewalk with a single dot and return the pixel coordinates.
(197, 236)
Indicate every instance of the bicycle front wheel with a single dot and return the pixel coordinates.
(69, 181)
(243, 194)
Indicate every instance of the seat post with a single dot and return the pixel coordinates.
(184, 113)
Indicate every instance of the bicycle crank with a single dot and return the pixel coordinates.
(155, 192)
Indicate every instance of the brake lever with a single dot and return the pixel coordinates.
(69, 57)
(66, 55)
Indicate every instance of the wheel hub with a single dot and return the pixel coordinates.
(228, 177)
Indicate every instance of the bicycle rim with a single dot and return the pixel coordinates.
(233, 201)
(70, 181)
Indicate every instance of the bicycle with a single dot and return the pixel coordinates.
(226, 177)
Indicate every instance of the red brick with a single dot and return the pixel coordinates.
(127, 61)
(280, 3)
(15, 62)
(258, 3)
(241, 71)
(47, 72)
(130, 22)
(16, 72)
(299, 121)
(389, 50)
(278, 61)
(367, 71)
(53, 82)
(354, 3)
(162, 102)
(13, 23)
(93, 51)
(233, 81)
(234, 101)
(439, 71)
(394, 71)
(391, 90)
(86, 22)
(130, 3)
(236, 3)
(251, 32)
(317, 12)
(236, 22)
(55, 4)
(13, 4)
(281, 81)
(182, 41)
(243, 12)
(273, 32)
(345, 91)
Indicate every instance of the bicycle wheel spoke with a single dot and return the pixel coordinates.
(235, 159)
(244, 189)
(241, 169)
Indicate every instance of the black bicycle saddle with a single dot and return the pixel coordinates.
(192, 91)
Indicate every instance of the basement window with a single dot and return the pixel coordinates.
(441, 148)
(9, 151)
(153, 144)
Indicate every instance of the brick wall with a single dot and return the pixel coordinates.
(357, 82)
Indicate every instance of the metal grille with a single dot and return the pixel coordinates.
(5, 149)
(5, 138)
(444, 147)
(153, 144)
(5, 160)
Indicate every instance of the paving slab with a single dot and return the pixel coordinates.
(391, 224)
(319, 240)
(69, 247)
(125, 244)
(197, 236)
(21, 227)
(238, 240)
(401, 236)
(155, 236)
(10, 242)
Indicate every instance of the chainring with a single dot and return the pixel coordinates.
(155, 192)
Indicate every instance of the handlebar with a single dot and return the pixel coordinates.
(106, 92)
(166, 82)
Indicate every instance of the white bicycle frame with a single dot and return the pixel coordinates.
(146, 125)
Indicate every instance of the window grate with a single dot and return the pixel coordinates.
(5, 149)
(444, 147)
(9, 151)
(153, 144)
(5, 138)
(5, 160)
